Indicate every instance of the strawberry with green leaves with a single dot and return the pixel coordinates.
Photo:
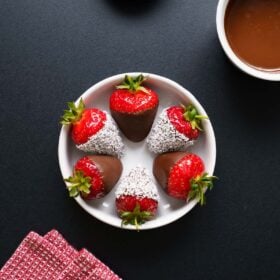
(182, 175)
(134, 106)
(94, 176)
(92, 130)
(176, 129)
(136, 198)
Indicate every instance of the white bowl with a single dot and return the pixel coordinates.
(170, 93)
(220, 19)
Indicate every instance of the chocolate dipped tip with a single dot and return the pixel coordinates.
(135, 126)
(110, 169)
(163, 164)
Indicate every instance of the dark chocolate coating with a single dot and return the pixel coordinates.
(135, 126)
(162, 165)
(110, 168)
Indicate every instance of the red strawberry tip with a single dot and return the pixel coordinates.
(191, 115)
(73, 114)
(198, 187)
(136, 217)
(133, 84)
(78, 183)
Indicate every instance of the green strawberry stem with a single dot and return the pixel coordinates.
(198, 187)
(191, 115)
(78, 184)
(133, 84)
(73, 114)
(136, 217)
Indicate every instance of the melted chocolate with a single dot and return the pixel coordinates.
(135, 126)
(110, 168)
(253, 30)
(162, 165)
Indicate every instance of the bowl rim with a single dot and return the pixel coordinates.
(64, 132)
(254, 72)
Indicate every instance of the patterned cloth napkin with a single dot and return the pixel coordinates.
(52, 258)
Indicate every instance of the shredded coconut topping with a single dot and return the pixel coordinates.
(165, 138)
(138, 183)
(106, 141)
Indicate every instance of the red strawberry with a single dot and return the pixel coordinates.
(92, 130)
(182, 175)
(176, 129)
(136, 198)
(134, 107)
(94, 176)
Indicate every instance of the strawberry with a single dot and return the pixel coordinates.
(177, 128)
(136, 198)
(94, 176)
(182, 175)
(92, 130)
(134, 106)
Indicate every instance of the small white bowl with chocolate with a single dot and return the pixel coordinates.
(249, 32)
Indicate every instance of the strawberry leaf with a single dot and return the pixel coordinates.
(78, 183)
(133, 84)
(191, 115)
(199, 186)
(73, 114)
(136, 217)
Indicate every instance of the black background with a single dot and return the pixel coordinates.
(52, 51)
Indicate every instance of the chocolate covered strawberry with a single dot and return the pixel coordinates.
(92, 130)
(133, 107)
(136, 197)
(182, 175)
(94, 176)
(177, 128)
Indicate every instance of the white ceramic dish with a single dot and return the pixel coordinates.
(170, 93)
(258, 73)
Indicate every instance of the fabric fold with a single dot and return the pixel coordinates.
(52, 258)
